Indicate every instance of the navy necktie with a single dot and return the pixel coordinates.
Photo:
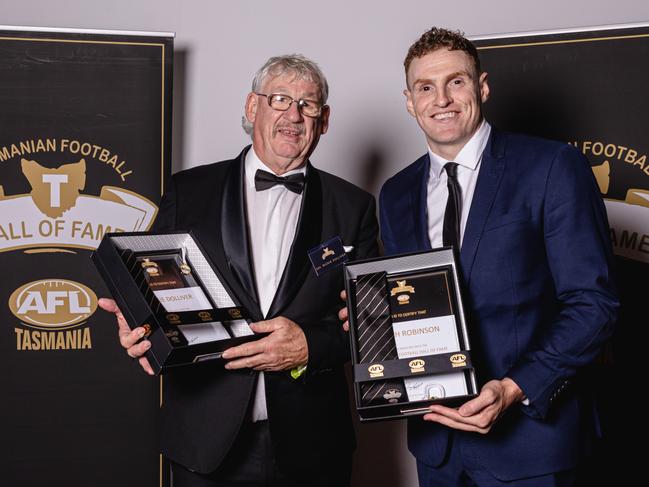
(451, 233)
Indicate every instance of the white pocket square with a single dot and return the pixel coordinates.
(348, 248)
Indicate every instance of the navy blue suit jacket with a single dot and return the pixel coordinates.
(535, 261)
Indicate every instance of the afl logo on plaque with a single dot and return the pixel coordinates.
(458, 360)
(416, 365)
(376, 370)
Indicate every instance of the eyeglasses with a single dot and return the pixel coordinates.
(277, 101)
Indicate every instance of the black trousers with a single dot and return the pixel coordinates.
(251, 463)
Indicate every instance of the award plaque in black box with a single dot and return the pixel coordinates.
(409, 340)
(166, 284)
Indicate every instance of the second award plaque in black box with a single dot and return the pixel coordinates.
(165, 283)
(410, 346)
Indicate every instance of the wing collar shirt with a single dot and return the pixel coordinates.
(272, 217)
(468, 160)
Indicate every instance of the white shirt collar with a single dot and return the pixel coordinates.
(469, 156)
(253, 162)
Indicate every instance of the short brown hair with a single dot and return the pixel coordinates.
(437, 38)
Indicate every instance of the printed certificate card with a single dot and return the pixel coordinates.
(424, 323)
(172, 281)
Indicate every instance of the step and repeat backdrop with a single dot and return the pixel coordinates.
(589, 88)
(85, 124)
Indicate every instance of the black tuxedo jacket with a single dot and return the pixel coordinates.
(204, 406)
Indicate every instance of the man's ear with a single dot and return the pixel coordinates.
(409, 103)
(484, 87)
(251, 107)
(324, 119)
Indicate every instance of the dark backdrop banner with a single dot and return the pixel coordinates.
(589, 88)
(85, 124)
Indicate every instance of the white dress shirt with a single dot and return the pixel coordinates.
(468, 160)
(272, 217)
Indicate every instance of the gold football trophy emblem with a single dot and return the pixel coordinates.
(151, 267)
(401, 288)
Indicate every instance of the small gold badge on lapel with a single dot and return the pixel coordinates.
(327, 256)
(326, 253)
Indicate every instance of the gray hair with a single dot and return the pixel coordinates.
(301, 66)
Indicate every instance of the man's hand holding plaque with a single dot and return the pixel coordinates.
(480, 413)
(131, 340)
(284, 349)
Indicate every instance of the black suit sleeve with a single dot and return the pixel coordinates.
(327, 341)
(166, 218)
(369, 231)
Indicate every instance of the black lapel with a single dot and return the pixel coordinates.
(491, 171)
(307, 235)
(234, 233)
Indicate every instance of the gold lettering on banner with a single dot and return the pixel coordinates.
(102, 154)
(77, 147)
(611, 152)
(31, 146)
(10, 232)
(35, 340)
(628, 216)
(56, 213)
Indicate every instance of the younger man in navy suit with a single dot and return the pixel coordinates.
(530, 228)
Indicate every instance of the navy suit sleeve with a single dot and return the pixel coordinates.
(390, 245)
(578, 252)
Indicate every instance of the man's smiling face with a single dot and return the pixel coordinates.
(445, 94)
(283, 140)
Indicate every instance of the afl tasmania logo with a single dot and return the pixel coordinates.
(53, 309)
(53, 304)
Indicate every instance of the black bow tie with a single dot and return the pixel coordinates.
(265, 180)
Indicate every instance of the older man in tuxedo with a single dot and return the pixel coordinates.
(277, 413)
(530, 229)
